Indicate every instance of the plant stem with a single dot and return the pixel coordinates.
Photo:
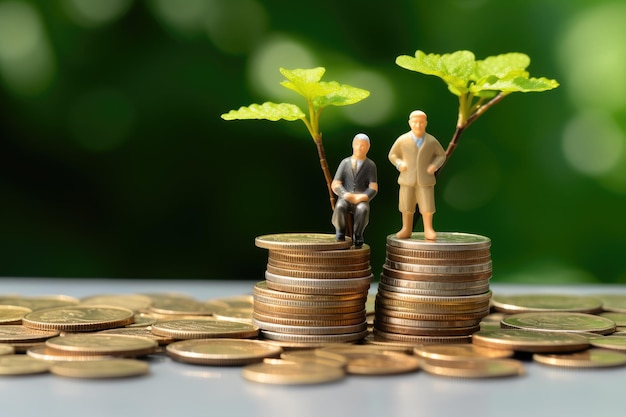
(462, 125)
(324, 164)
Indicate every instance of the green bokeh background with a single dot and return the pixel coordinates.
(114, 161)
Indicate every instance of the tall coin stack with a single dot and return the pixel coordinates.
(315, 290)
(433, 291)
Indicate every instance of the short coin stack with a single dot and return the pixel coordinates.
(433, 291)
(315, 290)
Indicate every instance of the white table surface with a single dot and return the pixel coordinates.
(177, 389)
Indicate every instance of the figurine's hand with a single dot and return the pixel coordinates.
(359, 198)
(402, 166)
(431, 169)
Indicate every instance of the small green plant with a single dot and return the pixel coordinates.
(318, 95)
(479, 84)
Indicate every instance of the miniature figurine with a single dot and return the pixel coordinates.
(355, 183)
(418, 156)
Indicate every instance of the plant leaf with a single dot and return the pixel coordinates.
(456, 69)
(306, 82)
(501, 65)
(522, 84)
(339, 95)
(267, 111)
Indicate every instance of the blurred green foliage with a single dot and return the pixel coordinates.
(114, 161)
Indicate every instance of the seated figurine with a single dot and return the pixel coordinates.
(355, 184)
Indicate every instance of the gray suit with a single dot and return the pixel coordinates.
(356, 182)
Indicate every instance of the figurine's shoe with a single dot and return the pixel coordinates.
(430, 234)
(340, 237)
(404, 234)
(358, 242)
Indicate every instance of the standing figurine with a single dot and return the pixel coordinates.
(355, 184)
(418, 156)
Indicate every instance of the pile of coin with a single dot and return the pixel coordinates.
(315, 290)
(433, 291)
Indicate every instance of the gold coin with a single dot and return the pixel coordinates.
(373, 360)
(240, 314)
(430, 260)
(18, 333)
(180, 306)
(618, 318)
(590, 358)
(204, 329)
(12, 314)
(419, 255)
(134, 302)
(314, 339)
(419, 339)
(446, 241)
(609, 342)
(322, 256)
(525, 340)
(439, 269)
(314, 270)
(6, 349)
(382, 363)
(222, 351)
(140, 331)
(226, 303)
(460, 352)
(426, 331)
(309, 300)
(79, 318)
(420, 276)
(103, 344)
(319, 356)
(110, 368)
(522, 303)
(559, 322)
(492, 368)
(292, 373)
(317, 274)
(44, 353)
(612, 302)
(40, 302)
(413, 290)
(301, 241)
(270, 308)
(22, 365)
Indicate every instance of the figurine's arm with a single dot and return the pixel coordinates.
(395, 156)
(439, 157)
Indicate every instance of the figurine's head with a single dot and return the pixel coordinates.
(360, 146)
(418, 122)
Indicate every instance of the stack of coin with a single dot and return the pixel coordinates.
(315, 290)
(433, 291)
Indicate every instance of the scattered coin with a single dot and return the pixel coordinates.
(22, 365)
(292, 373)
(12, 314)
(372, 360)
(590, 358)
(134, 302)
(319, 356)
(559, 322)
(203, 329)
(40, 302)
(523, 303)
(43, 352)
(78, 318)
(11, 333)
(6, 349)
(460, 352)
(103, 344)
(113, 368)
(222, 351)
(613, 302)
(524, 340)
(494, 368)
(609, 342)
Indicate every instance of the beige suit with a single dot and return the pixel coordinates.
(416, 175)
